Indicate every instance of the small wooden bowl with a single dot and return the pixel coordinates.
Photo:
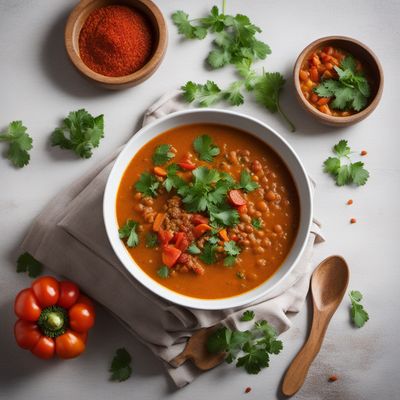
(360, 52)
(73, 28)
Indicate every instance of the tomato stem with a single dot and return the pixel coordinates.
(53, 321)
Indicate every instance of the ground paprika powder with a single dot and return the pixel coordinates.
(116, 40)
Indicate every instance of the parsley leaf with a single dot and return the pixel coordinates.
(246, 183)
(345, 173)
(147, 184)
(224, 215)
(27, 263)
(358, 315)
(209, 253)
(151, 240)
(248, 315)
(232, 250)
(120, 366)
(163, 272)
(19, 143)
(193, 249)
(79, 132)
(128, 231)
(162, 154)
(350, 91)
(205, 148)
(206, 95)
(257, 223)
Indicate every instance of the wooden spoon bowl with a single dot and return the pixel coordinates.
(75, 23)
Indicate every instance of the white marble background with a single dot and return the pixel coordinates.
(39, 86)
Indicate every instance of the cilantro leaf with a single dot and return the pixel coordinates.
(27, 263)
(128, 231)
(19, 143)
(147, 184)
(341, 148)
(229, 261)
(332, 165)
(206, 95)
(246, 183)
(186, 28)
(224, 215)
(162, 154)
(120, 366)
(233, 94)
(343, 176)
(359, 174)
(248, 315)
(219, 57)
(254, 360)
(231, 248)
(257, 223)
(79, 132)
(163, 272)
(209, 253)
(358, 315)
(151, 240)
(205, 148)
(193, 249)
(173, 180)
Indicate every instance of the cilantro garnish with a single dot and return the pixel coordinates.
(147, 184)
(232, 250)
(257, 223)
(255, 345)
(27, 263)
(120, 366)
(19, 143)
(193, 249)
(163, 272)
(234, 36)
(350, 91)
(162, 154)
(151, 240)
(79, 132)
(173, 180)
(358, 315)
(209, 253)
(345, 173)
(246, 183)
(248, 315)
(206, 95)
(128, 231)
(205, 148)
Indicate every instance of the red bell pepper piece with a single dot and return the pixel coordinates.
(164, 236)
(198, 219)
(201, 229)
(181, 241)
(170, 255)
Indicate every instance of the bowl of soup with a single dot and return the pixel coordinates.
(208, 209)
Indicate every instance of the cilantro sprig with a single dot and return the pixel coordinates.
(232, 250)
(350, 91)
(151, 240)
(27, 263)
(358, 315)
(120, 368)
(209, 253)
(128, 232)
(19, 143)
(248, 315)
(205, 148)
(246, 183)
(257, 223)
(345, 173)
(79, 132)
(163, 272)
(255, 345)
(162, 154)
(147, 184)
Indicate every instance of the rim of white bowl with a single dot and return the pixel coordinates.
(111, 224)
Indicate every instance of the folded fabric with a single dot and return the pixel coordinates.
(70, 239)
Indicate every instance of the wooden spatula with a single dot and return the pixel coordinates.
(196, 351)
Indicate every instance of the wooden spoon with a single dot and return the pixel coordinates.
(196, 351)
(328, 286)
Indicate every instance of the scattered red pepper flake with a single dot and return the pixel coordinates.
(353, 221)
(363, 153)
(333, 378)
(349, 202)
(248, 389)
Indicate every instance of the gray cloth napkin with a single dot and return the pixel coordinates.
(69, 238)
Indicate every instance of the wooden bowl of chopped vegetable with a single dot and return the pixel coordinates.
(338, 80)
(116, 44)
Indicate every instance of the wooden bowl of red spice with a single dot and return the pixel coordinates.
(116, 44)
(338, 80)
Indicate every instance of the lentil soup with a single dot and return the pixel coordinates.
(207, 210)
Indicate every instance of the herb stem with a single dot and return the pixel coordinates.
(286, 118)
(223, 6)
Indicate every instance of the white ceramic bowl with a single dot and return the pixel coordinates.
(239, 121)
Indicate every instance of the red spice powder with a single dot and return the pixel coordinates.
(116, 40)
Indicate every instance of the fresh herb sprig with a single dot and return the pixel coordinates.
(128, 232)
(255, 345)
(345, 173)
(147, 184)
(162, 154)
(19, 143)
(350, 91)
(79, 132)
(232, 250)
(248, 315)
(358, 315)
(163, 272)
(121, 368)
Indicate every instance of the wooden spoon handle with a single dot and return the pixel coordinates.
(298, 369)
(179, 359)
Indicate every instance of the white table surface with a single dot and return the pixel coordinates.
(40, 86)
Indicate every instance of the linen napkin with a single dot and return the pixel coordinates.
(69, 238)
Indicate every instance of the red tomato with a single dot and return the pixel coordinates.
(198, 219)
(26, 333)
(81, 317)
(46, 290)
(44, 348)
(187, 165)
(70, 344)
(69, 293)
(26, 305)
